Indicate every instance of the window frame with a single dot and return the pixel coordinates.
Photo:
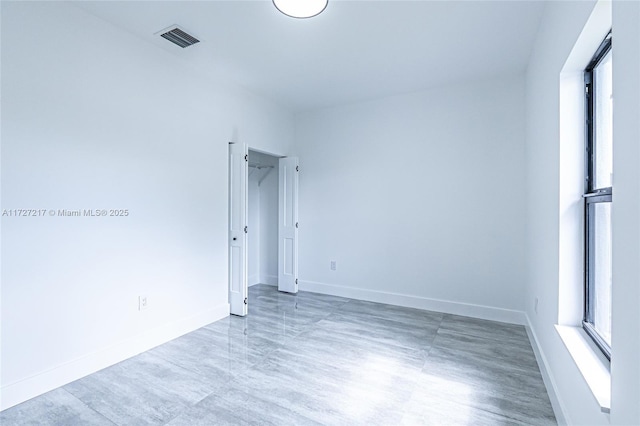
(591, 194)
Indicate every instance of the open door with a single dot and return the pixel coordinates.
(238, 289)
(288, 225)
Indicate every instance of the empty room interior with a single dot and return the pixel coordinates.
(298, 212)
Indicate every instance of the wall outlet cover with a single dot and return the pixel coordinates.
(143, 303)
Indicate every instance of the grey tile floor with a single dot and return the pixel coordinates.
(311, 359)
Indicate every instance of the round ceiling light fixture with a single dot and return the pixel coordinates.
(301, 8)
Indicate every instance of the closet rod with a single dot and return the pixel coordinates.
(260, 166)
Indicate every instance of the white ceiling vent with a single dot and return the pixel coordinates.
(178, 36)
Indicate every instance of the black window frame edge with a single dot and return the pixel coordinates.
(592, 195)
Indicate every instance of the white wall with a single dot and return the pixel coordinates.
(625, 333)
(419, 198)
(269, 225)
(263, 220)
(562, 24)
(94, 118)
(253, 223)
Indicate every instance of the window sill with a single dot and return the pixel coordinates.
(593, 367)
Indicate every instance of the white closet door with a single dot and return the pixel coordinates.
(288, 225)
(238, 289)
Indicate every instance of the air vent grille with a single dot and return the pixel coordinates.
(177, 36)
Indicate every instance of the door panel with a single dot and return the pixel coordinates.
(288, 225)
(238, 289)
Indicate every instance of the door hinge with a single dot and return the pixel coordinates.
(297, 168)
(296, 281)
(246, 157)
(245, 229)
(246, 301)
(296, 225)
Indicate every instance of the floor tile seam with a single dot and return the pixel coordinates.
(356, 315)
(403, 352)
(510, 370)
(303, 374)
(302, 333)
(275, 348)
(509, 392)
(406, 403)
(400, 310)
(508, 327)
(405, 377)
(512, 388)
(392, 328)
(273, 400)
(506, 363)
(333, 310)
(179, 413)
(518, 338)
(473, 318)
(192, 372)
(487, 335)
(521, 342)
(294, 336)
(521, 348)
(211, 330)
(485, 353)
(295, 321)
(298, 316)
(263, 357)
(478, 408)
(207, 339)
(394, 345)
(390, 323)
(166, 359)
(501, 328)
(408, 376)
(428, 355)
(433, 339)
(432, 343)
(229, 401)
(102, 415)
(190, 405)
(504, 415)
(525, 350)
(402, 355)
(281, 382)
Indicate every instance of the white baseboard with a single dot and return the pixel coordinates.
(549, 382)
(38, 384)
(253, 280)
(409, 301)
(269, 279)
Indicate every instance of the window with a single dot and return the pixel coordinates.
(598, 197)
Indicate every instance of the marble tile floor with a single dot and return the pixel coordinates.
(313, 359)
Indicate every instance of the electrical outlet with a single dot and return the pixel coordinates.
(333, 265)
(143, 303)
(535, 305)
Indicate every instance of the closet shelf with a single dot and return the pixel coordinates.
(263, 169)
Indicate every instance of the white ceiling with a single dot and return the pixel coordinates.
(353, 51)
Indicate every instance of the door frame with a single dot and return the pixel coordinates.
(245, 258)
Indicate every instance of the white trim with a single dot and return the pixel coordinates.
(591, 363)
(40, 383)
(269, 280)
(409, 301)
(552, 389)
(254, 279)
